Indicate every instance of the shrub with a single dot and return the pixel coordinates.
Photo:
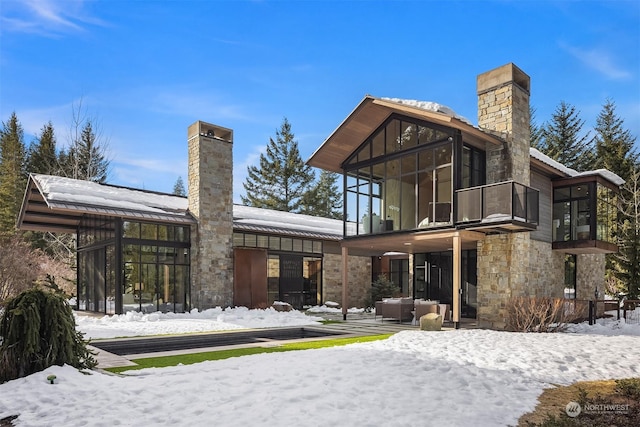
(38, 330)
(383, 288)
(542, 314)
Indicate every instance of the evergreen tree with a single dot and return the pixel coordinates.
(85, 158)
(536, 131)
(626, 261)
(563, 139)
(324, 198)
(178, 188)
(614, 144)
(38, 331)
(282, 178)
(13, 177)
(42, 156)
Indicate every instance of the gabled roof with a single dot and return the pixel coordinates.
(371, 112)
(56, 204)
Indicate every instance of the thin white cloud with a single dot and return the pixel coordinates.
(147, 165)
(48, 18)
(599, 60)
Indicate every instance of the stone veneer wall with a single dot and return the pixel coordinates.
(210, 193)
(590, 271)
(504, 260)
(359, 279)
(503, 110)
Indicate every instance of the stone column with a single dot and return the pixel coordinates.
(504, 259)
(210, 195)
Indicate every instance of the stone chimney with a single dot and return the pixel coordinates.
(503, 110)
(210, 195)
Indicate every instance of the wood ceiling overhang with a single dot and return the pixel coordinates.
(370, 113)
(413, 242)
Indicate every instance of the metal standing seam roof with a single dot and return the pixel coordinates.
(57, 204)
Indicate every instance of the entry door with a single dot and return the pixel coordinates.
(291, 280)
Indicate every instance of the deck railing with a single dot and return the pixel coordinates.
(507, 201)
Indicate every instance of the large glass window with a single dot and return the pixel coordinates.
(572, 213)
(408, 182)
(607, 214)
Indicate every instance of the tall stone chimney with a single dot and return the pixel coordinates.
(210, 195)
(503, 109)
(504, 259)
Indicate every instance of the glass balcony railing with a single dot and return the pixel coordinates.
(505, 202)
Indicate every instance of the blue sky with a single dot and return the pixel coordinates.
(146, 70)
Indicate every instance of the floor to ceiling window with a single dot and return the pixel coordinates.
(156, 267)
(400, 179)
(132, 266)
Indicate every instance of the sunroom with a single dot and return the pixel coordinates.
(584, 213)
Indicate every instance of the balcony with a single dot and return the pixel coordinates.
(502, 207)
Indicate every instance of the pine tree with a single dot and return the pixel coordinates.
(626, 261)
(324, 198)
(13, 177)
(42, 156)
(282, 178)
(563, 139)
(614, 144)
(536, 131)
(85, 159)
(178, 188)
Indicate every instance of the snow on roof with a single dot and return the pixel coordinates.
(604, 173)
(272, 219)
(429, 106)
(537, 154)
(59, 189)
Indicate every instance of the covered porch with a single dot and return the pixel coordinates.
(411, 243)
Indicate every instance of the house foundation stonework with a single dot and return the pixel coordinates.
(359, 279)
(590, 270)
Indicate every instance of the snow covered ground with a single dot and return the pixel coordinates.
(453, 378)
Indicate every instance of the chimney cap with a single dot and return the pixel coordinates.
(503, 75)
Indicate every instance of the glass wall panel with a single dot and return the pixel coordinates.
(111, 269)
(131, 230)
(273, 279)
(149, 231)
(572, 218)
(444, 192)
(408, 209)
(392, 195)
(403, 192)
(409, 135)
(392, 137)
(425, 198)
(377, 145)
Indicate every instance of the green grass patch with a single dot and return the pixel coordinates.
(188, 359)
